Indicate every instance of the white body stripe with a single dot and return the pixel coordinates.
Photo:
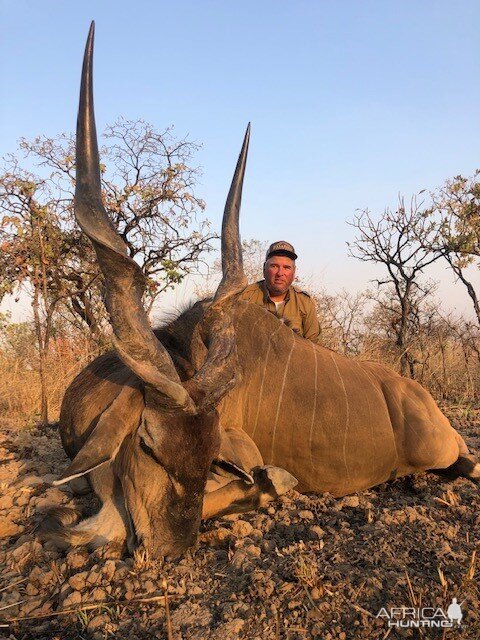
(280, 397)
(314, 408)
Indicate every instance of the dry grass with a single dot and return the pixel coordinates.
(20, 381)
(305, 570)
(450, 371)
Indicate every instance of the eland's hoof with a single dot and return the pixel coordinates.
(80, 486)
(273, 481)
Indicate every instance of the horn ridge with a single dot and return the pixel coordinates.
(89, 210)
(88, 161)
(218, 374)
(135, 342)
(233, 278)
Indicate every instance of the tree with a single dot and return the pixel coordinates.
(149, 193)
(456, 211)
(398, 241)
(341, 318)
(33, 248)
(253, 252)
(148, 188)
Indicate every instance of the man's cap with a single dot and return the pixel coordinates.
(281, 248)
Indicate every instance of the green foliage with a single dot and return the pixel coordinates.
(149, 193)
(457, 209)
(17, 340)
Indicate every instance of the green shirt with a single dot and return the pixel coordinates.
(298, 308)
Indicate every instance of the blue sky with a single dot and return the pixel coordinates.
(351, 102)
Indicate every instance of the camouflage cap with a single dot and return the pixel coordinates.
(281, 248)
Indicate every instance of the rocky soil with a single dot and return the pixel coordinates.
(307, 567)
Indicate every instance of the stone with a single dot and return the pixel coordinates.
(49, 577)
(48, 478)
(65, 590)
(232, 628)
(109, 569)
(128, 584)
(29, 607)
(98, 622)
(31, 481)
(51, 498)
(180, 590)
(305, 514)
(318, 531)
(37, 573)
(149, 586)
(9, 528)
(257, 534)
(98, 595)
(195, 591)
(22, 499)
(216, 537)
(21, 551)
(78, 581)
(120, 573)
(188, 614)
(350, 501)
(241, 528)
(72, 600)
(6, 502)
(239, 558)
(253, 551)
(260, 521)
(31, 590)
(269, 545)
(94, 576)
(77, 559)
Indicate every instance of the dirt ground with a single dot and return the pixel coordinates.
(306, 567)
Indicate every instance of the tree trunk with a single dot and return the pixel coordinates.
(471, 291)
(402, 336)
(85, 313)
(444, 372)
(42, 354)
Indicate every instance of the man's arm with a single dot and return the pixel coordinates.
(311, 325)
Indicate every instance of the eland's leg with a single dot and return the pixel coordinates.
(110, 525)
(238, 496)
(466, 465)
(259, 484)
(80, 486)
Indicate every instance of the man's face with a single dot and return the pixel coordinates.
(279, 272)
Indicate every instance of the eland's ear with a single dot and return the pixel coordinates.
(238, 455)
(229, 469)
(114, 425)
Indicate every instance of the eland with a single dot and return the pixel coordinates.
(225, 408)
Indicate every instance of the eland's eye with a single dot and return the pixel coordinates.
(148, 450)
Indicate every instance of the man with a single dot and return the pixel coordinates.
(277, 294)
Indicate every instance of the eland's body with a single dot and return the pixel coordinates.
(337, 424)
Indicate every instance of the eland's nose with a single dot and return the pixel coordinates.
(177, 549)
